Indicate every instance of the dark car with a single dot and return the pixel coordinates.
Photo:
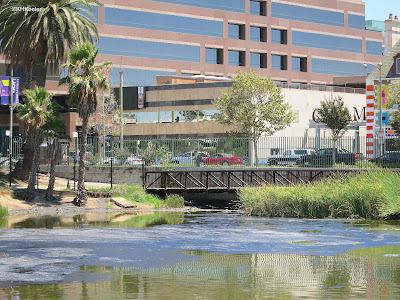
(391, 159)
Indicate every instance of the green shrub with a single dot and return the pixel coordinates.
(174, 201)
(371, 195)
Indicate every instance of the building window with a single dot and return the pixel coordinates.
(299, 64)
(236, 31)
(258, 34)
(214, 56)
(258, 8)
(258, 60)
(236, 58)
(279, 62)
(279, 36)
(398, 66)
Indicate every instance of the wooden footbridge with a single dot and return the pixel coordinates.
(200, 179)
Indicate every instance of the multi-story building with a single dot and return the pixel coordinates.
(301, 41)
(292, 41)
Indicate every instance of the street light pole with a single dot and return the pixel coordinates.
(381, 133)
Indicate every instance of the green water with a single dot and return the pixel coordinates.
(205, 256)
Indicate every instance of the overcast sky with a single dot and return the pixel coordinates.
(380, 9)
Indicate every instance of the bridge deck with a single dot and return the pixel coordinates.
(200, 179)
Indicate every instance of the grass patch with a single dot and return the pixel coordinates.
(136, 194)
(174, 201)
(370, 195)
(3, 212)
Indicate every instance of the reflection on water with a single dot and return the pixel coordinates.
(197, 256)
(368, 273)
(131, 220)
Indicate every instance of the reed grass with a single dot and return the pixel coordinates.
(370, 195)
(3, 211)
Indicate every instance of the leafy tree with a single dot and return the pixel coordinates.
(336, 116)
(36, 111)
(255, 106)
(395, 122)
(393, 97)
(40, 38)
(85, 79)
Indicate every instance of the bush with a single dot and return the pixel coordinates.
(370, 195)
(174, 201)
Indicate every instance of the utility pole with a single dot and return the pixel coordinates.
(11, 120)
(121, 97)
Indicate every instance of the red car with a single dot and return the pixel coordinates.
(222, 159)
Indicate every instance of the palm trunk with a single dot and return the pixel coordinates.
(35, 164)
(41, 66)
(52, 178)
(28, 74)
(81, 197)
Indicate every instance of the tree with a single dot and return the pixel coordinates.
(36, 111)
(336, 117)
(85, 80)
(38, 37)
(254, 106)
(53, 130)
(393, 97)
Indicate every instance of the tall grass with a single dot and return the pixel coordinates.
(371, 195)
(3, 211)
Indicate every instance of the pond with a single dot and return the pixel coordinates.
(203, 255)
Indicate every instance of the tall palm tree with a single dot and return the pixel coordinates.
(85, 80)
(40, 38)
(53, 131)
(36, 111)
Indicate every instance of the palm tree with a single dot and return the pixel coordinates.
(53, 132)
(85, 79)
(36, 39)
(36, 111)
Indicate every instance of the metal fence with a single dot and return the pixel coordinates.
(270, 151)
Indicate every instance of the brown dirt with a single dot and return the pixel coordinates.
(11, 199)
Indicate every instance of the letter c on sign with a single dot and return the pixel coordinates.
(315, 116)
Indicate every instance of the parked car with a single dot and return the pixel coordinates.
(288, 157)
(324, 156)
(222, 159)
(134, 160)
(115, 161)
(187, 158)
(389, 159)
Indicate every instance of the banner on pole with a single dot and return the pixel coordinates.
(5, 90)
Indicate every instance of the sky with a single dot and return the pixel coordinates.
(380, 9)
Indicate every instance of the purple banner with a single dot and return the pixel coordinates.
(15, 90)
(5, 90)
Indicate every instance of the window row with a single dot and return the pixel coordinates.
(279, 10)
(170, 116)
(257, 60)
(257, 7)
(257, 34)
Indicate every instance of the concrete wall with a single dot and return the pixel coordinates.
(129, 175)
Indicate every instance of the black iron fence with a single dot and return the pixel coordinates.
(348, 151)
